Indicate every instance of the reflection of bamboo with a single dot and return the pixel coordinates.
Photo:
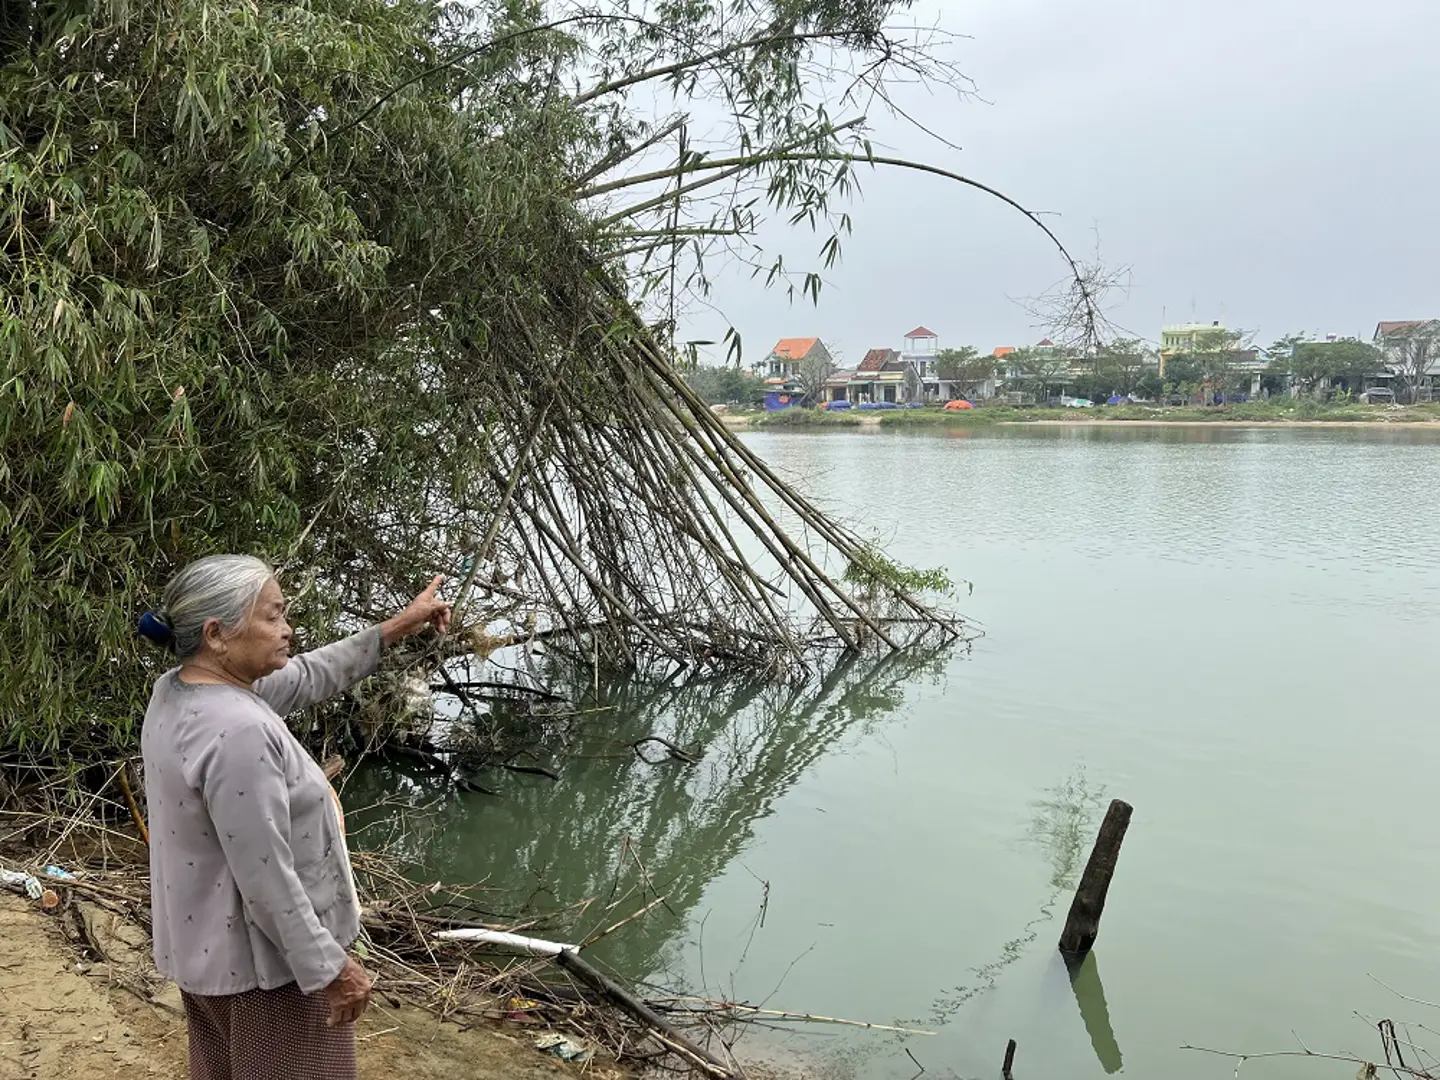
(1062, 822)
(690, 823)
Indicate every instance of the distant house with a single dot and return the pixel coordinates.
(922, 348)
(883, 375)
(1187, 338)
(1212, 339)
(1389, 335)
(1005, 358)
(1389, 339)
(785, 367)
(790, 355)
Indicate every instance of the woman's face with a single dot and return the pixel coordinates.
(262, 644)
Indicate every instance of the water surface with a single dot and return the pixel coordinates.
(1231, 629)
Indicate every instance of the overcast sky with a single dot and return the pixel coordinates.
(1274, 164)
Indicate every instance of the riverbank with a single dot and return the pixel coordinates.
(69, 1015)
(1248, 414)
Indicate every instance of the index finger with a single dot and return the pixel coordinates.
(430, 589)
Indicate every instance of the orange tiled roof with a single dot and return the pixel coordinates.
(794, 348)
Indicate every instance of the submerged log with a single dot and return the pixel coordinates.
(1083, 924)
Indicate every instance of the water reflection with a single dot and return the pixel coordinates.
(617, 831)
(1215, 432)
(1090, 995)
(1062, 823)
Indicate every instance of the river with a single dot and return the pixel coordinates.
(1234, 630)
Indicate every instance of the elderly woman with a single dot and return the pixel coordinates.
(252, 897)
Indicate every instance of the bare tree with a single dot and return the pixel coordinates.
(1037, 370)
(815, 369)
(965, 368)
(1411, 352)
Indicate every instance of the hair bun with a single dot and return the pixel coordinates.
(156, 626)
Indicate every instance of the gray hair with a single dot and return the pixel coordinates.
(221, 587)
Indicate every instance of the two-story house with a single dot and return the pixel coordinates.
(792, 355)
(1411, 348)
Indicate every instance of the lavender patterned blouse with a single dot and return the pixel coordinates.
(249, 878)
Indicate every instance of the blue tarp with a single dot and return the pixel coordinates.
(780, 400)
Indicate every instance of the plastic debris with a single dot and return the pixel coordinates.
(16, 879)
(55, 871)
(563, 1048)
(518, 1009)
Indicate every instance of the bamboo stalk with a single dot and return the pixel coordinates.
(139, 819)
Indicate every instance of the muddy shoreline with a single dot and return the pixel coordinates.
(64, 1014)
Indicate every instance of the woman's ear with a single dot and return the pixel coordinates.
(213, 635)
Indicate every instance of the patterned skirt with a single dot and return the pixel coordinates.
(267, 1035)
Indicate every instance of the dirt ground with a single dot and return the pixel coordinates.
(61, 1018)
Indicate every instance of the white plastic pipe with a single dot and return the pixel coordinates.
(533, 946)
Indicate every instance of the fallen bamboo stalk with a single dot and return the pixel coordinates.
(569, 958)
(813, 1018)
(497, 519)
(571, 961)
(628, 919)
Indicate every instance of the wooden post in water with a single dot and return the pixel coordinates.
(1089, 904)
(1009, 1060)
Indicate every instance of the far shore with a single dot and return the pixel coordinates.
(1241, 416)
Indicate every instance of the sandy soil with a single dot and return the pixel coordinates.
(62, 1019)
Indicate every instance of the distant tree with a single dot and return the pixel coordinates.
(1217, 339)
(814, 370)
(1148, 384)
(1038, 369)
(1119, 366)
(1184, 372)
(1279, 375)
(725, 385)
(1411, 354)
(1212, 364)
(966, 367)
(1311, 362)
(1092, 383)
(1218, 371)
(1280, 351)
